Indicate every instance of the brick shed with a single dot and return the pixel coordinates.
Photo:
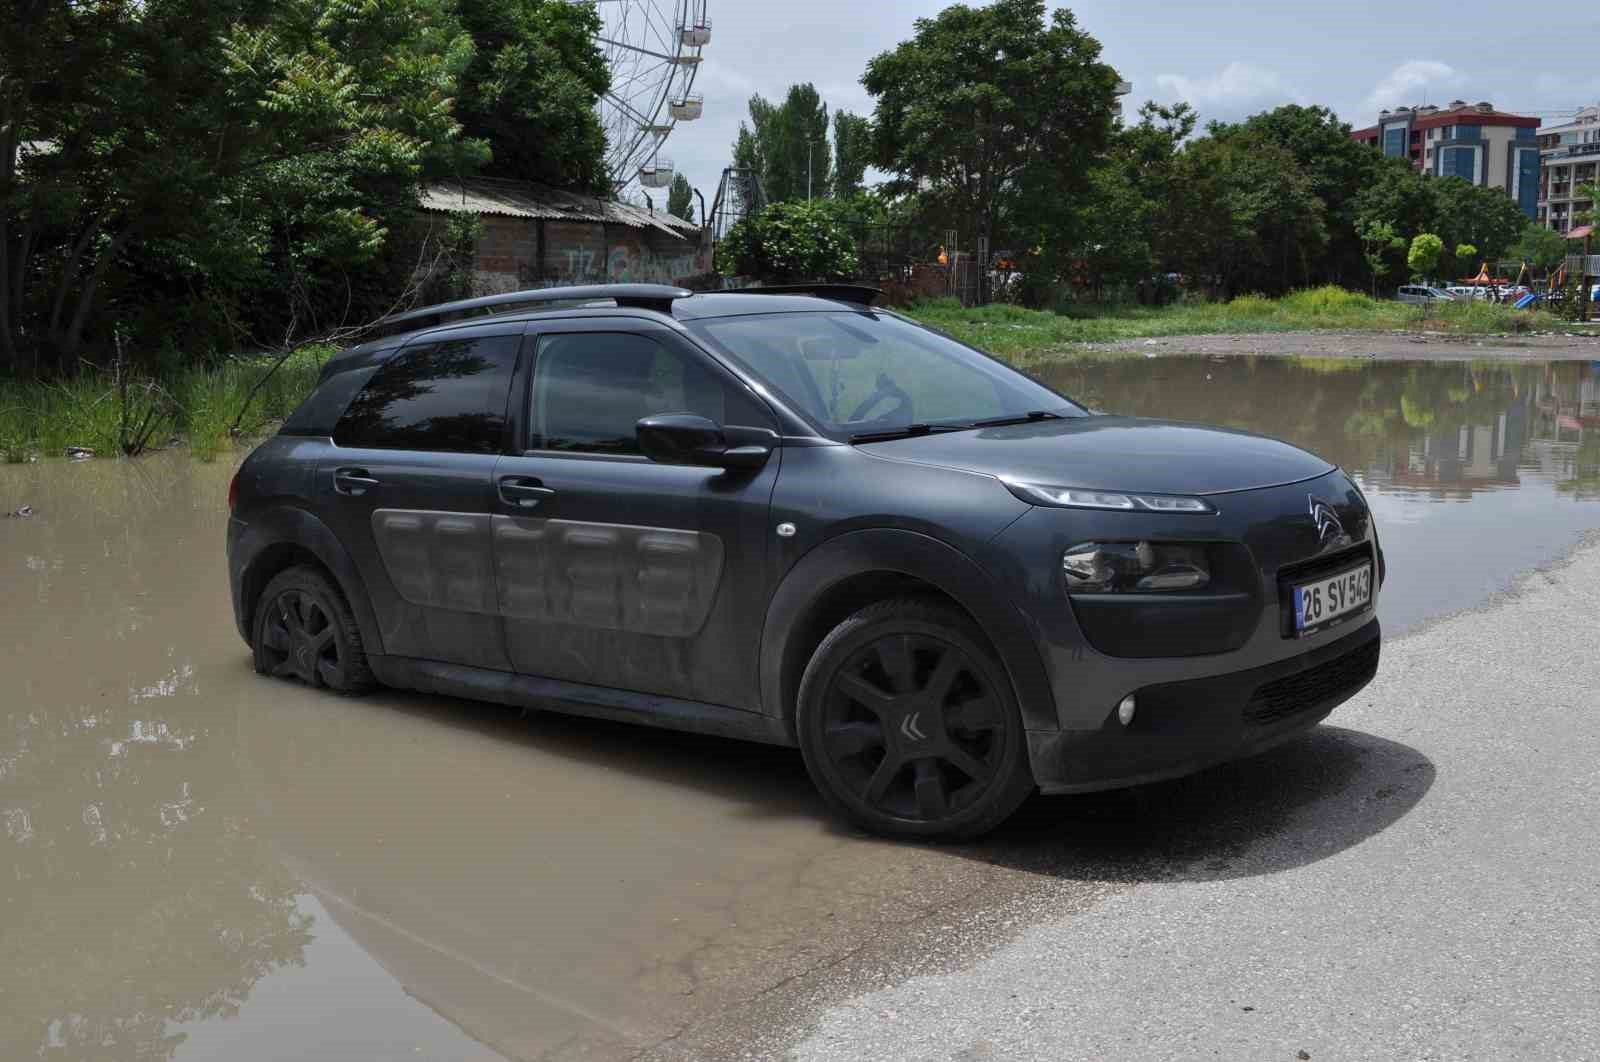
(535, 236)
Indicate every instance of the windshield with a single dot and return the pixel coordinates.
(861, 374)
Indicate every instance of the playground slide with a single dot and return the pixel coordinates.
(1526, 301)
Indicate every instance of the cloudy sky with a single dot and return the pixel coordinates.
(1228, 59)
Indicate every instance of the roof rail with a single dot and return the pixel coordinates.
(858, 293)
(643, 296)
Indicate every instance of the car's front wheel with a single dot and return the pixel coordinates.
(908, 724)
(304, 629)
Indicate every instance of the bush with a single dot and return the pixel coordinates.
(1327, 299)
(1253, 306)
(789, 241)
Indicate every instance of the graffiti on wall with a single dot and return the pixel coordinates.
(641, 265)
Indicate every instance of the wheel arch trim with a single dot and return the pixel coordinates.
(917, 556)
(290, 525)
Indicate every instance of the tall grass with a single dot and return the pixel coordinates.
(1011, 330)
(205, 405)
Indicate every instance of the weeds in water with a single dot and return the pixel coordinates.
(1015, 332)
(202, 405)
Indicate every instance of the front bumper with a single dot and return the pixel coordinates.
(1182, 727)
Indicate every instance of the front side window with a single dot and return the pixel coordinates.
(591, 389)
(445, 396)
(858, 373)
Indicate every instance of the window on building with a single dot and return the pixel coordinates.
(1527, 132)
(1458, 162)
(1467, 132)
(1394, 141)
(1528, 180)
(448, 396)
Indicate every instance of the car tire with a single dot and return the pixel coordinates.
(304, 629)
(909, 726)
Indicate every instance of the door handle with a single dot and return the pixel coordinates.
(525, 492)
(352, 481)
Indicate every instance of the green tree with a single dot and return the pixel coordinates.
(1590, 192)
(789, 241)
(787, 144)
(1540, 247)
(1484, 217)
(531, 87)
(1465, 257)
(1423, 257)
(1397, 195)
(1378, 237)
(852, 150)
(1256, 224)
(680, 198)
(1337, 169)
(252, 153)
(986, 107)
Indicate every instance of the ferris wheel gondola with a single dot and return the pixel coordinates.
(653, 49)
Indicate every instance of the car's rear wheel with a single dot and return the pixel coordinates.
(908, 724)
(304, 630)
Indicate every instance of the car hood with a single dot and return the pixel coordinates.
(1115, 453)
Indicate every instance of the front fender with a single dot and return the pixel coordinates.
(908, 553)
(289, 525)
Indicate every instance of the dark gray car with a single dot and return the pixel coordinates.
(794, 518)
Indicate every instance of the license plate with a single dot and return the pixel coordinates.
(1319, 603)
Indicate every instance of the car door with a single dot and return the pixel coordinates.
(614, 570)
(408, 486)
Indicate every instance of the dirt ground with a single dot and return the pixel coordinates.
(1395, 346)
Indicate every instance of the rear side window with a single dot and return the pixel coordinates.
(447, 396)
(590, 389)
(318, 414)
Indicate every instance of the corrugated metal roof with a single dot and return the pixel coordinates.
(518, 199)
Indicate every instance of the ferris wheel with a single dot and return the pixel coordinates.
(653, 50)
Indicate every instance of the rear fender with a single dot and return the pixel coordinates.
(290, 525)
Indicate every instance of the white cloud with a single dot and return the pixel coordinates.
(1409, 78)
(1237, 83)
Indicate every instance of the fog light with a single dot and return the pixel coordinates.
(1125, 710)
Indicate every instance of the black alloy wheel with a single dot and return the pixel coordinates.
(909, 724)
(304, 630)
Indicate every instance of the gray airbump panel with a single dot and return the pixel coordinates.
(438, 559)
(620, 577)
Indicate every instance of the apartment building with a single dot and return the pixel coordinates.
(1468, 140)
(1569, 154)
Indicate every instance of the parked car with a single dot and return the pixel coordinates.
(1422, 294)
(791, 517)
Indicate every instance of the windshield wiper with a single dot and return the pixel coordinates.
(905, 432)
(1019, 418)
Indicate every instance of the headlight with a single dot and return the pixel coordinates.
(1137, 567)
(1079, 498)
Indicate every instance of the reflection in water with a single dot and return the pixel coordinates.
(136, 896)
(1517, 443)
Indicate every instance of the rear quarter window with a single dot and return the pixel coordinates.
(322, 408)
(445, 396)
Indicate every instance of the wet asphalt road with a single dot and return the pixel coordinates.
(1466, 927)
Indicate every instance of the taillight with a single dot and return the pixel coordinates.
(233, 492)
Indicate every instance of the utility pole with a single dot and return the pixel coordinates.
(809, 144)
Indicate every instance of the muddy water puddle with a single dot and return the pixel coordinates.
(200, 863)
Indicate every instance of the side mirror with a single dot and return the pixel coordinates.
(685, 439)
